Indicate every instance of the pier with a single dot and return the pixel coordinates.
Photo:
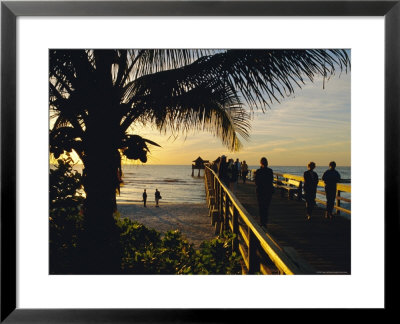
(198, 165)
(290, 244)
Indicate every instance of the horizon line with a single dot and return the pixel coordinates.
(277, 165)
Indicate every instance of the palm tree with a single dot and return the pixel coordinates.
(96, 96)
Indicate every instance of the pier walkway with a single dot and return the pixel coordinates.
(323, 244)
(290, 244)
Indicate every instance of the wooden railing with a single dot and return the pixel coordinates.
(288, 180)
(260, 253)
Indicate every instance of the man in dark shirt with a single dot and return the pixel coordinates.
(310, 188)
(264, 190)
(331, 177)
(144, 197)
(223, 171)
(157, 196)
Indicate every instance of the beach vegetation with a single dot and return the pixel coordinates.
(96, 97)
(146, 251)
(141, 250)
(65, 216)
(217, 256)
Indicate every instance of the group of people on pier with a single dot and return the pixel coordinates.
(264, 189)
(229, 173)
(331, 178)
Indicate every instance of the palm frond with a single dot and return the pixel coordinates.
(175, 101)
(263, 77)
(149, 61)
(135, 147)
(180, 89)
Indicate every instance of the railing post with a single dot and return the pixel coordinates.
(338, 202)
(226, 213)
(235, 229)
(215, 192)
(254, 264)
(300, 194)
(220, 209)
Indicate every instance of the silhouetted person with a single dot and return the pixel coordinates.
(144, 197)
(264, 189)
(223, 171)
(233, 175)
(157, 196)
(215, 165)
(244, 171)
(310, 188)
(238, 167)
(331, 177)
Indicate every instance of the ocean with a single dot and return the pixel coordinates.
(177, 185)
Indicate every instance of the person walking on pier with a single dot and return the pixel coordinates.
(233, 175)
(331, 178)
(310, 188)
(238, 168)
(264, 189)
(157, 196)
(144, 197)
(215, 165)
(223, 171)
(244, 171)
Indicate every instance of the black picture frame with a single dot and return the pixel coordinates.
(10, 10)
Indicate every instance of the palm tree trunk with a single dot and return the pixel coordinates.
(100, 242)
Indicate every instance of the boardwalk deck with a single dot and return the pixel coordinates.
(323, 244)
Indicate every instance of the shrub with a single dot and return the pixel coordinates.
(65, 218)
(147, 251)
(217, 256)
(143, 250)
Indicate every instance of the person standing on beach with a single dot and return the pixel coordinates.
(244, 171)
(223, 171)
(310, 188)
(157, 196)
(331, 178)
(264, 190)
(144, 197)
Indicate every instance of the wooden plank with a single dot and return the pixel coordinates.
(340, 186)
(295, 183)
(244, 235)
(324, 244)
(344, 199)
(299, 261)
(273, 247)
(335, 206)
(244, 255)
(320, 201)
(342, 209)
(235, 230)
(254, 264)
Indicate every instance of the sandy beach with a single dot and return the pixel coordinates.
(190, 218)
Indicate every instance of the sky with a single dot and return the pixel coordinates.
(314, 124)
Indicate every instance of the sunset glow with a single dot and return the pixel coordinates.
(312, 125)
